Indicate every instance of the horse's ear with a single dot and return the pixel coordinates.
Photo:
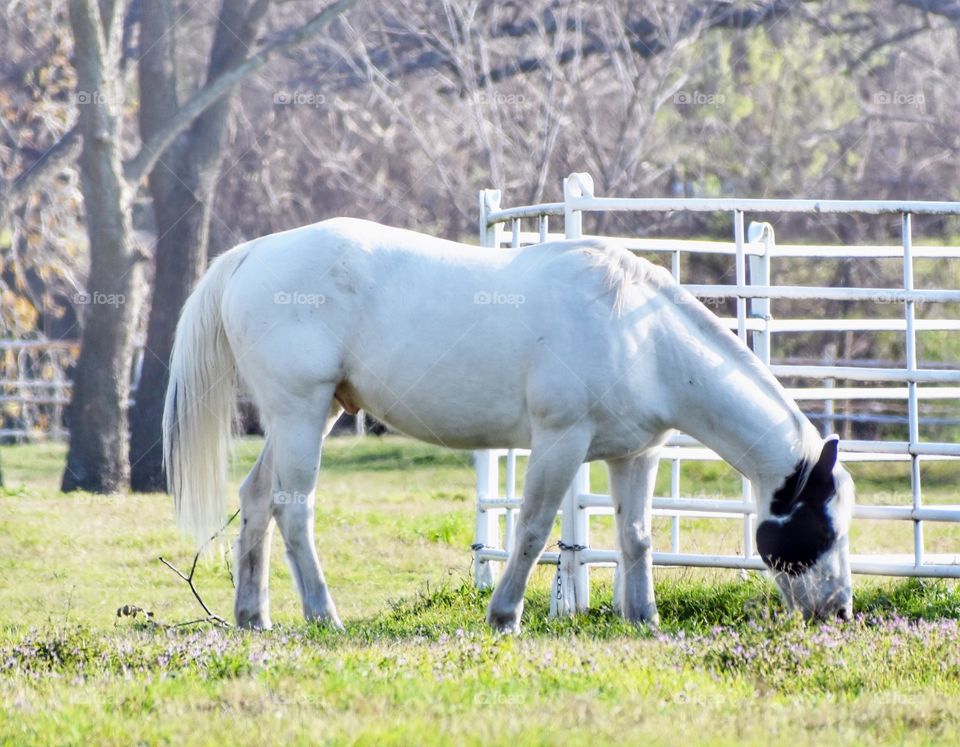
(820, 481)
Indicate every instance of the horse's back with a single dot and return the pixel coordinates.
(448, 342)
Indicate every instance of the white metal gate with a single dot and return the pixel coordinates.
(753, 249)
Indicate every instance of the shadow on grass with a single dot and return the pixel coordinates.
(382, 457)
(691, 607)
(915, 599)
(727, 628)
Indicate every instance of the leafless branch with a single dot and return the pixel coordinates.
(188, 577)
(897, 38)
(61, 152)
(141, 164)
(949, 9)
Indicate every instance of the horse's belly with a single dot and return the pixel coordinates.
(442, 432)
(457, 429)
(456, 413)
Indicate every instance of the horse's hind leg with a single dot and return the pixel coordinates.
(631, 486)
(296, 458)
(555, 457)
(251, 607)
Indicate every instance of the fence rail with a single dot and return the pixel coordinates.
(753, 251)
(35, 387)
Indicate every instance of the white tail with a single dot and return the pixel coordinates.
(200, 406)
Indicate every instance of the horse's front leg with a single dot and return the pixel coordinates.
(555, 457)
(631, 486)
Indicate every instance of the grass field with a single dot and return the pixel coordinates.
(416, 664)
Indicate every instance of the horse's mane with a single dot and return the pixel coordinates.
(623, 269)
(620, 268)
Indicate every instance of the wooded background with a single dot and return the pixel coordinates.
(137, 139)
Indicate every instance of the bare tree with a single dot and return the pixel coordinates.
(456, 90)
(181, 185)
(98, 456)
(98, 415)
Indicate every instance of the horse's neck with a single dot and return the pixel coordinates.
(735, 409)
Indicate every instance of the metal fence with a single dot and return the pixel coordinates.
(35, 387)
(753, 249)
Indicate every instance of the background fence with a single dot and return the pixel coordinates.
(813, 383)
(35, 388)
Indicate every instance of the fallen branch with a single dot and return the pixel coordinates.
(189, 579)
(132, 610)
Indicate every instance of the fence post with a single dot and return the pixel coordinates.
(829, 405)
(913, 408)
(760, 275)
(740, 265)
(746, 491)
(489, 203)
(572, 593)
(510, 515)
(487, 534)
(576, 185)
(573, 577)
(759, 311)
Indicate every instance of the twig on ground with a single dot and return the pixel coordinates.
(196, 594)
(132, 610)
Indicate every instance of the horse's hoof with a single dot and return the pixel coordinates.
(254, 622)
(505, 623)
(649, 619)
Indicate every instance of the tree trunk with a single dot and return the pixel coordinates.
(183, 223)
(97, 456)
(182, 187)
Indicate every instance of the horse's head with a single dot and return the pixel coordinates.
(803, 540)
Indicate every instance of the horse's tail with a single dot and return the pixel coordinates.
(200, 406)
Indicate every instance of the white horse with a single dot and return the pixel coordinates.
(574, 349)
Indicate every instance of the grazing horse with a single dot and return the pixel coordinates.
(577, 350)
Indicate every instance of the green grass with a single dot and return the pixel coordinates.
(416, 664)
